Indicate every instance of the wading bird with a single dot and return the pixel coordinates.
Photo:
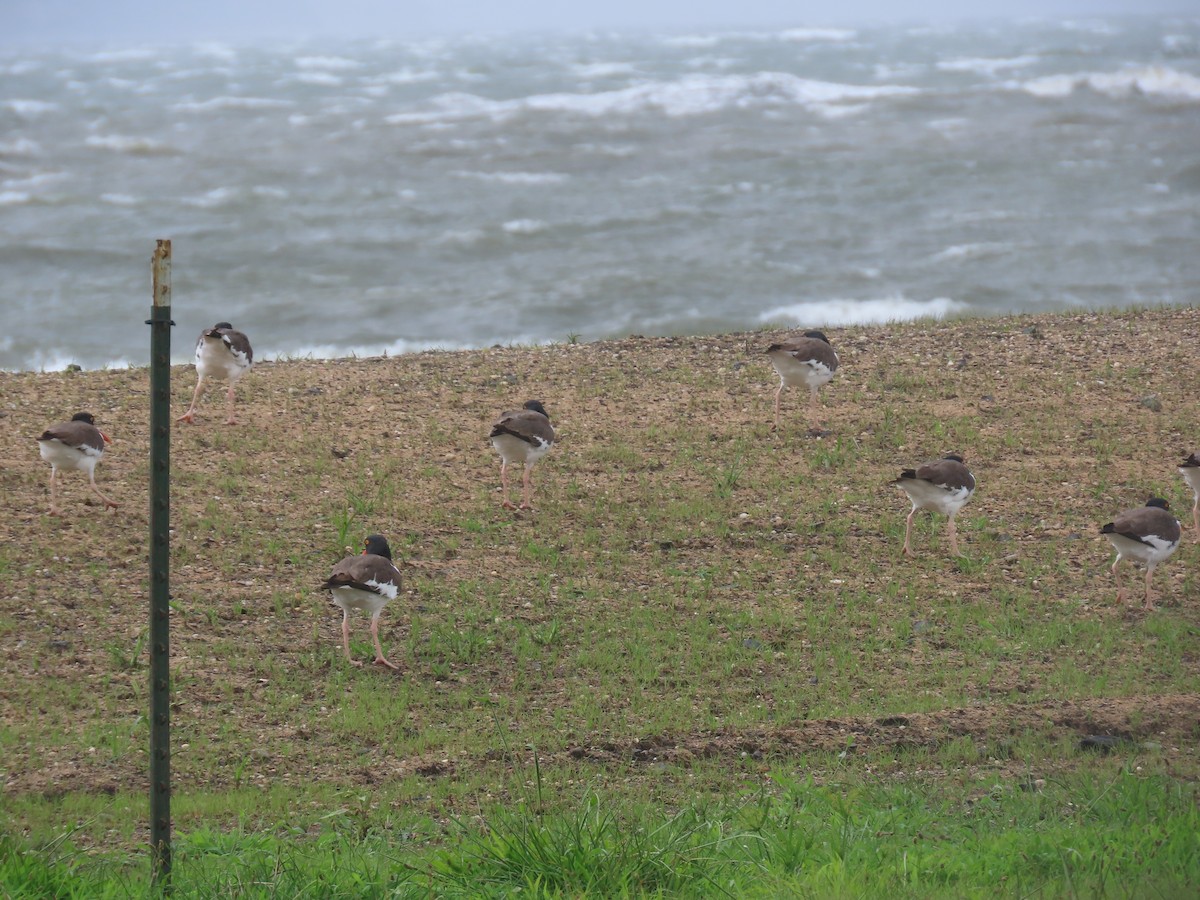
(221, 352)
(522, 436)
(365, 582)
(1190, 470)
(1148, 534)
(77, 444)
(807, 361)
(943, 486)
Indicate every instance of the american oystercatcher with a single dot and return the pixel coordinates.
(221, 352)
(365, 582)
(943, 486)
(1148, 534)
(522, 436)
(807, 361)
(77, 444)
(1190, 470)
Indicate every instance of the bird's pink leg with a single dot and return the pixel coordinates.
(190, 415)
(507, 504)
(908, 531)
(380, 659)
(232, 420)
(778, 393)
(108, 504)
(346, 637)
(1117, 576)
(1149, 597)
(527, 494)
(953, 537)
(54, 510)
(814, 411)
(1196, 516)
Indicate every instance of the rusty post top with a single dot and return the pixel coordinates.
(161, 266)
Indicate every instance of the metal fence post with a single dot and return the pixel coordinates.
(160, 556)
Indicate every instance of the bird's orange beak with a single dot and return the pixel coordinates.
(107, 439)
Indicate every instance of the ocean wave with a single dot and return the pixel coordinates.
(21, 67)
(136, 146)
(330, 63)
(692, 41)
(971, 251)
(603, 70)
(790, 35)
(1149, 81)
(691, 95)
(406, 76)
(524, 226)
(222, 196)
(14, 198)
(398, 347)
(987, 67)
(35, 180)
(21, 147)
(322, 79)
(863, 312)
(524, 178)
(56, 359)
(221, 103)
(30, 109)
(836, 35)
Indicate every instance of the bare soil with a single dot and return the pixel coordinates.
(1110, 402)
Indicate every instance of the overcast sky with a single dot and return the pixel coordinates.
(120, 21)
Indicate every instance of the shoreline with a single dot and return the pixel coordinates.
(770, 328)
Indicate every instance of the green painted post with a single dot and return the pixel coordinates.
(160, 557)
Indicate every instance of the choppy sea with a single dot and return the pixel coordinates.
(336, 198)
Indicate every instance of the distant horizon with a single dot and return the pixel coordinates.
(86, 22)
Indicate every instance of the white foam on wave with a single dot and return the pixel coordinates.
(603, 69)
(1149, 81)
(14, 198)
(790, 35)
(525, 226)
(407, 76)
(466, 237)
(57, 360)
(1180, 44)
(35, 180)
(692, 41)
(398, 347)
(959, 252)
(986, 67)
(20, 67)
(221, 196)
(691, 95)
(322, 79)
(222, 103)
(863, 312)
(136, 146)
(521, 178)
(837, 35)
(30, 109)
(329, 63)
(119, 199)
